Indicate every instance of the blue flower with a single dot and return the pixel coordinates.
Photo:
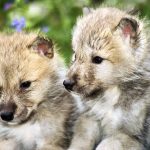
(45, 29)
(18, 24)
(7, 6)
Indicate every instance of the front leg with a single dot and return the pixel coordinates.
(86, 133)
(120, 142)
(53, 142)
(8, 144)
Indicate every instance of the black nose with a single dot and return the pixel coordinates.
(7, 116)
(68, 84)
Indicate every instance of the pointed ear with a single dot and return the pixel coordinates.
(87, 10)
(133, 12)
(43, 46)
(129, 27)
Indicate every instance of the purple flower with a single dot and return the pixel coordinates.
(18, 24)
(45, 29)
(7, 6)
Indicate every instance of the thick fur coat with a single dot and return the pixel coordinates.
(111, 71)
(36, 111)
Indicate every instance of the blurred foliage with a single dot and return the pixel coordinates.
(55, 17)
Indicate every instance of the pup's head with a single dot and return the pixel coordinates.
(27, 71)
(108, 46)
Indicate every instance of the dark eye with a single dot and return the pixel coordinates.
(97, 60)
(25, 85)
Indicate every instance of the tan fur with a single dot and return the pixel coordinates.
(116, 92)
(42, 120)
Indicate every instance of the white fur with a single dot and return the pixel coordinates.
(114, 116)
(79, 103)
(30, 135)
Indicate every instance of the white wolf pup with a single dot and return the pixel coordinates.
(36, 112)
(111, 71)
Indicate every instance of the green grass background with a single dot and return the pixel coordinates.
(57, 17)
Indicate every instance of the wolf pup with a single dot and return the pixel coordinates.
(36, 112)
(111, 71)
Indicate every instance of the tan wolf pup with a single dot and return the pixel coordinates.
(36, 112)
(111, 71)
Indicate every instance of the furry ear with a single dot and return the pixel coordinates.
(87, 10)
(133, 11)
(129, 27)
(43, 46)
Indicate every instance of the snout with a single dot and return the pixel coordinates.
(7, 116)
(7, 111)
(69, 84)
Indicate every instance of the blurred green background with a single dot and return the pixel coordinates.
(56, 18)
